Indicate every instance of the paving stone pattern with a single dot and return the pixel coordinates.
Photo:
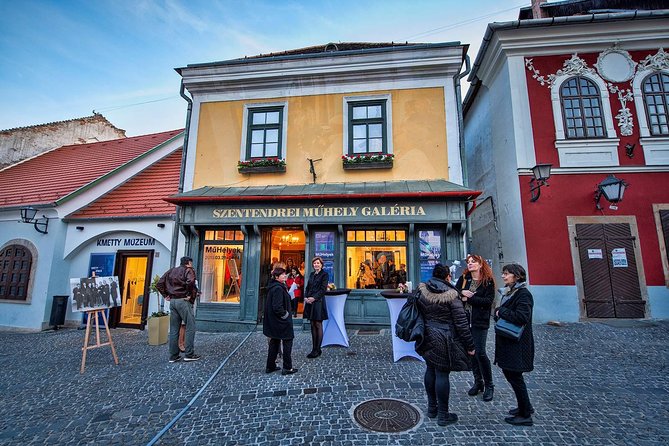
(594, 384)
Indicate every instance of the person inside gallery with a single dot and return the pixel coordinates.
(315, 308)
(278, 323)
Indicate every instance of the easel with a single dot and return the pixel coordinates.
(95, 314)
(234, 278)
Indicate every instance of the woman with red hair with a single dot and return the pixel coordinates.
(477, 291)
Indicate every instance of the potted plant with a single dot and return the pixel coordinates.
(261, 165)
(378, 161)
(158, 322)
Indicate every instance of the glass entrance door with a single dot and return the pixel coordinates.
(134, 269)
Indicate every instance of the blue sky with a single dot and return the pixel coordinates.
(62, 59)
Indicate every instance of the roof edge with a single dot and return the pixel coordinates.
(466, 194)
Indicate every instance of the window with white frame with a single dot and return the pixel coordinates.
(585, 134)
(656, 100)
(581, 108)
(367, 124)
(264, 132)
(651, 99)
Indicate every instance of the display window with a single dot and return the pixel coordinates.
(376, 258)
(222, 266)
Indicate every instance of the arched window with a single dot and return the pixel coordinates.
(15, 263)
(656, 100)
(581, 108)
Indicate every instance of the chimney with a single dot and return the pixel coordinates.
(536, 8)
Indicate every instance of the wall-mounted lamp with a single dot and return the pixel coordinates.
(613, 189)
(161, 225)
(28, 216)
(541, 172)
(80, 228)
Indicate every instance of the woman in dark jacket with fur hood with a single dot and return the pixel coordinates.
(446, 337)
(516, 357)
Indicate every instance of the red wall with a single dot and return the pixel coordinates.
(541, 109)
(546, 232)
(547, 235)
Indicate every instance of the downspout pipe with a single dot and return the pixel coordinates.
(184, 152)
(461, 127)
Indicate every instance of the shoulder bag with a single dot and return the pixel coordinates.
(508, 330)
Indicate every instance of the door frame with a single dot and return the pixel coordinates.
(119, 268)
(578, 275)
(660, 236)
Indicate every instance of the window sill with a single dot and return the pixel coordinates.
(655, 150)
(369, 165)
(262, 169)
(588, 152)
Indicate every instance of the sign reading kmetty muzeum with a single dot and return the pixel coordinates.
(290, 212)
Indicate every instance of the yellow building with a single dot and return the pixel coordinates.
(347, 151)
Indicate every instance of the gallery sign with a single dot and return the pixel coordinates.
(330, 213)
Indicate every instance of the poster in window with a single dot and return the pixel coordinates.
(94, 293)
(101, 264)
(430, 252)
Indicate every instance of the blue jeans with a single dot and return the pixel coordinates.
(181, 310)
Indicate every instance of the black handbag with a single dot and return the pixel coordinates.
(508, 330)
(410, 325)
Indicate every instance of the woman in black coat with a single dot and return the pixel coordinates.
(477, 291)
(516, 357)
(314, 305)
(445, 338)
(278, 323)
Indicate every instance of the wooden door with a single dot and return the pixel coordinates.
(609, 271)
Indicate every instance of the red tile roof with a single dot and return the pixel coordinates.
(140, 196)
(53, 175)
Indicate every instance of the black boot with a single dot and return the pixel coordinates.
(431, 408)
(446, 418)
(487, 393)
(476, 388)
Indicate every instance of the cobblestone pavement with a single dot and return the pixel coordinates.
(594, 384)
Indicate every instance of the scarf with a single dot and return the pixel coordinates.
(511, 291)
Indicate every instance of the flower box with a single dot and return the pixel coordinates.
(378, 161)
(261, 169)
(369, 165)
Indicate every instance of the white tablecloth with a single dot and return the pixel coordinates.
(334, 329)
(400, 348)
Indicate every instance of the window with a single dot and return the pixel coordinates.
(367, 127)
(376, 258)
(656, 101)
(581, 108)
(15, 265)
(264, 133)
(222, 266)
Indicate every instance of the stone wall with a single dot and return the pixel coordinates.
(24, 142)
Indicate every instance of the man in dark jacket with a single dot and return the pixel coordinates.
(178, 287)
(447, 344)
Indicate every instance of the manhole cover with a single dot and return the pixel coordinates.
(386, 415)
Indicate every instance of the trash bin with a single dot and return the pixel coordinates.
(58, 310)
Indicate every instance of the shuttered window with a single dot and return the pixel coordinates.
(15, 263)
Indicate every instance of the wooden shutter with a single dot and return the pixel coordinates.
(595, 271)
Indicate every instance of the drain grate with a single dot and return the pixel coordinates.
(369, 332)
(386, 415)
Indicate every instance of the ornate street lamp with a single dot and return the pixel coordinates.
(613, 190)
(541, 172)
(28, 216)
